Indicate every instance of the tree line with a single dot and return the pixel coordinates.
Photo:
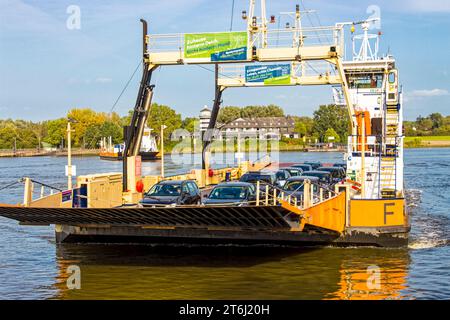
(90, 126)
(435, 124)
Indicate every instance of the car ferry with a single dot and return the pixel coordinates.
(367, 207)
(148, 151)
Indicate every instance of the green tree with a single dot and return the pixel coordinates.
(56, 131)
(228, 114)
(83, 118)
(331, 133)
(437, 120)
(331, 116)
(163, 115)
(190, 124)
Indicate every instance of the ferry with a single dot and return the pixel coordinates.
(367, 208)
(148, 151)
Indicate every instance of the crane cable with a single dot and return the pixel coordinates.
(232, 15)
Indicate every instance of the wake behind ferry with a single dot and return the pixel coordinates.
(364, 204)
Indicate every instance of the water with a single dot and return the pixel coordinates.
(32, 266)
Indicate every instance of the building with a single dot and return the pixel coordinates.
(205, 116)
(273, 128)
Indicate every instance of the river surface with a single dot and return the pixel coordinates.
(33, 266)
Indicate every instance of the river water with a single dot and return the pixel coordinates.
(33, 266)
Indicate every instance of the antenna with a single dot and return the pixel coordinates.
(367, 51)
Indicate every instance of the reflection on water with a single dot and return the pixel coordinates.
(199, 272)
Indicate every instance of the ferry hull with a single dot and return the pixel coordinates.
(265, 225)
(381, 237)
(378, 238)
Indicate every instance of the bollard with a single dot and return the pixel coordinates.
(257, 193)
(267, 194)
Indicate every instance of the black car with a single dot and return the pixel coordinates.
(172, 192)
(294, 172)
(340, 165)
(324, 176)
(337, 173)
(266, 177)
(281, 176)
(303, 166)
(313, 164)
(295, 185)
(240, 193)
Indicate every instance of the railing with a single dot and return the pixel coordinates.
(312, 194)
(276, 38)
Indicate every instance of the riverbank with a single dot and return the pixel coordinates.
(427, 142)
(43, 153)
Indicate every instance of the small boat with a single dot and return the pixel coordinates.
(148, 152)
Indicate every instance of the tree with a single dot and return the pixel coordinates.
(228, 114)
(437, 120)
(330, 133)
(163, 115)
(190, 124)
(56, 131)
(83, 118)
(331, 116)
(262, 111)
(303, 125)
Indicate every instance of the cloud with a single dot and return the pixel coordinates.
(430, 93)
(438, 6)
(103, 80)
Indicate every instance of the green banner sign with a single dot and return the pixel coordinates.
(225, 46)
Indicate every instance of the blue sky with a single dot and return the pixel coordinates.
(47, 69)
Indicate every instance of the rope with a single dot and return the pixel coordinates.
(11, 184)
(125, 87)
(232, 14)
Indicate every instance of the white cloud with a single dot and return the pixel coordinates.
(103, 80)
(430, 93)
(429, 5)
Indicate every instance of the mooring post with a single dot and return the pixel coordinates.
(28, 192)
(257, 193)
(306, 194)
(267, 194)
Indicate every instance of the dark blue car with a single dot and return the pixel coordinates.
(240, 193)
(172, 192)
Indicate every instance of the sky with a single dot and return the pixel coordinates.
(48, 68)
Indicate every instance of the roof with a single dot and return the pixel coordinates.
(301, 178)
(234, 184)
(261, 173)
(172, 181)
(317, 171)
(329, 168)
(263, 122)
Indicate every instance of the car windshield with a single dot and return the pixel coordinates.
(294, 186)
(295, 172)
(255, 178)
(165, 190)
(334, 172)
(304, 167)
(227, 193)
(321, 176)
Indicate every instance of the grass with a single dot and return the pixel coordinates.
(427, 141)
(429, 138)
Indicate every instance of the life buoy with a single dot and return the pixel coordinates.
(140, 186)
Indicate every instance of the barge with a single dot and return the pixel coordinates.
(367, 208)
